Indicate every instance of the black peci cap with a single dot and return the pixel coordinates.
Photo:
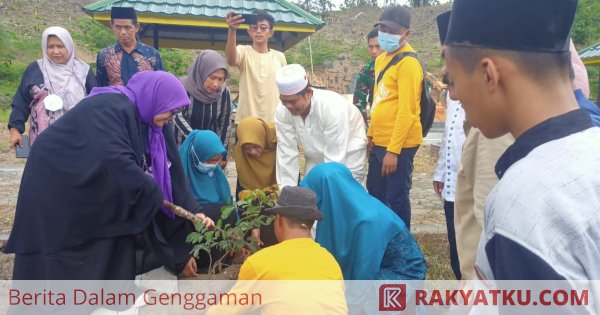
(519, 25)
(127, 13)
(442, 23)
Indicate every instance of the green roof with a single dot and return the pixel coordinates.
(200, 24)
(591, 55)
(282, 10)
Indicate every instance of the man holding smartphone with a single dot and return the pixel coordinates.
(257, 64)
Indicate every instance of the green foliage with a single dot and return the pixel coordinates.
(176, 61)
(234, 238)
(586, 28)
(317, 7)
(92, 35)
(15, 54)
(586, 32)
(325, 50)
(423, 3)
(348, 4)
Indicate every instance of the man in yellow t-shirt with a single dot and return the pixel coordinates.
(296, 257)
(395, 132)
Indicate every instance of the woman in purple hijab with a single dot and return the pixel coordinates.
(94, 183)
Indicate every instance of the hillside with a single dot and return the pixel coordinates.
(338, 49)
(341, 39)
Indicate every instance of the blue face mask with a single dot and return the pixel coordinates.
(203, 168)
(208, 169)
(389, 42)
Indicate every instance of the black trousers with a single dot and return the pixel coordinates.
(454, 262)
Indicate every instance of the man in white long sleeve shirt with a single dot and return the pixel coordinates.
(444, 177)
(324, 123)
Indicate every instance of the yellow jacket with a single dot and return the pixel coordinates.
(395, 121)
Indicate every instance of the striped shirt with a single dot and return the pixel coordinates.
(215, 116)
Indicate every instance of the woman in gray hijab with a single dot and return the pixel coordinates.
(210, 99)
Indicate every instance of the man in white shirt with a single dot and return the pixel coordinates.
(541, 219)
(324, 123)
(444, 177)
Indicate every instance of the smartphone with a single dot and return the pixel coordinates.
(251, 19)
(23, 152)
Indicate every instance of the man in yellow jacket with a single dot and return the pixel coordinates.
(395, 132)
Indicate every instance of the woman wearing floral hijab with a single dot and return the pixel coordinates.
(210, 107)
(50, 86)
(98, 178)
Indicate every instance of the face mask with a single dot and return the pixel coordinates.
(203, 168)
(208, 169)
(389, 42)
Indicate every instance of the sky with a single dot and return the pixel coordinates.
(337, 3)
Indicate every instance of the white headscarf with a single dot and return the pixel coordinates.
(68, 80)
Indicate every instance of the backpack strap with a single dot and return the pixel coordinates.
(394, 61)
(399, 57)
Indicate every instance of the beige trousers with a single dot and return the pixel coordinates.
(476, 178)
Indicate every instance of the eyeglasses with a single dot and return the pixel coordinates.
(262, 28)
(177, 111)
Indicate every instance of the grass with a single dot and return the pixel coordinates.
(436, 249)
(15, 54)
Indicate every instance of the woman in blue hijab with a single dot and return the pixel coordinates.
(200, 155)
(369, 241)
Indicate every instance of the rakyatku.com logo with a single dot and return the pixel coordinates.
(392, 297)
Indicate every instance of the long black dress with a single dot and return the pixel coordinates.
(84, 196)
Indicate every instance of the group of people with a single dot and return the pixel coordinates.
(133, 136)
(136, 136)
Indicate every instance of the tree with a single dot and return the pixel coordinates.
(229, 239)
(358, 3)
(317, 7)
(423, 3)
(586, 28)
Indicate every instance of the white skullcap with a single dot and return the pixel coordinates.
(291, 79)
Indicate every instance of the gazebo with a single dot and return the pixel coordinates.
(591, 57)
(200, 24)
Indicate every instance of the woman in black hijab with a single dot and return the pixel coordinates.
(97, 178)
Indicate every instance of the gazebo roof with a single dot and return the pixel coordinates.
(591, 55)
(200, 24)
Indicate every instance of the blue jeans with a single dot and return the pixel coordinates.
(393, 190)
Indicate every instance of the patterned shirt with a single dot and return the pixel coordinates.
(114, 66)
(363, 92)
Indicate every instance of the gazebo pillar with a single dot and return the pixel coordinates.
(155, 35)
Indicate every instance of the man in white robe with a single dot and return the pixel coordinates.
(327, 127)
